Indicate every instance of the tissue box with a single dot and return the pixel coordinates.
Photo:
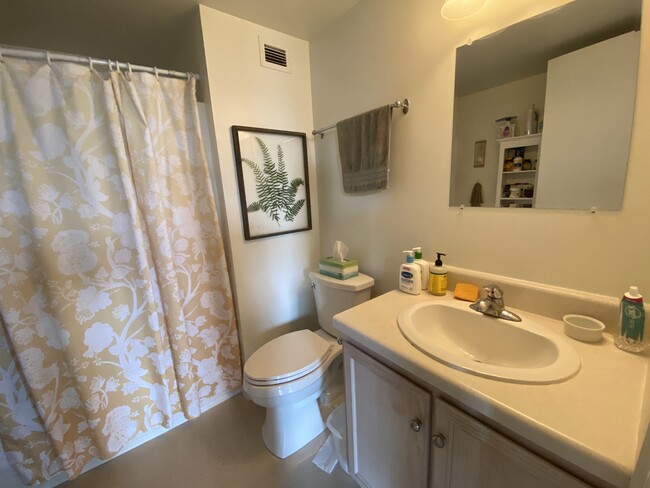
(341, 270)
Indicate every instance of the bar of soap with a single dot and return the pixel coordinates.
(466, 291)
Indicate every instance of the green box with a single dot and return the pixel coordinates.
(335, 263)
(342, 270)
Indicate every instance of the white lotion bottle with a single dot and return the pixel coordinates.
(424, 267)
(410, 276)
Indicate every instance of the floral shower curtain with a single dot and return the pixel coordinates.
(115, 306)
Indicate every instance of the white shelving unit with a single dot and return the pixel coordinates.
(528, 147)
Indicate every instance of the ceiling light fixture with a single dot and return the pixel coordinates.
(460, 9)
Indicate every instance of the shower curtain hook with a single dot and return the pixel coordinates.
(49, 59)
(2, 60)
(155, 71)
(91, 64)
(117, 67)
(130, 70)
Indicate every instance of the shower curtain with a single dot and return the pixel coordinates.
(115, 306)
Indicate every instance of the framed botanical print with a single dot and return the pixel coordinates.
(273, 180)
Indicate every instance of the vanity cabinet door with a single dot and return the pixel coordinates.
(389, 425)
(468, 454)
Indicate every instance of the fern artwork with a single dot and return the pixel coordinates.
(277, 196)
(273, 181)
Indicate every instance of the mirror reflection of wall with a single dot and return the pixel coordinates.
(578, 66)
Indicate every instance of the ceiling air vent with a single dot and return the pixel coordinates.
(273, 57)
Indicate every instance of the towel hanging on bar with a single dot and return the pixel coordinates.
(364, 148)
(477, 196)
(403, 104)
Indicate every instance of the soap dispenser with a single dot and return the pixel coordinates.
(438, 277)
(424, 266)
(410, 278)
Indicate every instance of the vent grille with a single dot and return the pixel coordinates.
(275, 55)
(272, 56)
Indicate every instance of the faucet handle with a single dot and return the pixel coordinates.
(493, 291)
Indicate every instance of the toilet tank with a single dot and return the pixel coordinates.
(334, 296)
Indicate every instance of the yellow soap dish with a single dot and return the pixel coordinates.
(466, 291)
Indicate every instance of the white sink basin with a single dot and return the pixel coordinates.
(519, 352)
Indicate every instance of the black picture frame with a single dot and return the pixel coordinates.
(273, 179)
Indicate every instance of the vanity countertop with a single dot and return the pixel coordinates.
(591, 420)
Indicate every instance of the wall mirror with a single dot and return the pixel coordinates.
(578, 66)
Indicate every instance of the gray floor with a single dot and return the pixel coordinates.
(221, 448)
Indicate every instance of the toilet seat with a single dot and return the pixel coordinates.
(287, 358)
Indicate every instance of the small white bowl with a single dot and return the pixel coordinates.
(583, 328)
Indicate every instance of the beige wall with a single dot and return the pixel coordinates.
(270, 276)
(385, 50)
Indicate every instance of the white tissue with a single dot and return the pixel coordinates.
(340, 251)
(326, 458)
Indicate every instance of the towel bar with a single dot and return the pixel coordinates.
(403, 104)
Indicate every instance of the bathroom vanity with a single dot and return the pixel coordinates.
(416, 422)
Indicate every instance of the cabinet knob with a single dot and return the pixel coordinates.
(439, 441)
(416, 425)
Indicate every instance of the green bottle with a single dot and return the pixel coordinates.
(630, 336)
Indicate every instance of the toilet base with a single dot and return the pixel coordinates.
(287, 429)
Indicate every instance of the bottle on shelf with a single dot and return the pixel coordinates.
(531, 120)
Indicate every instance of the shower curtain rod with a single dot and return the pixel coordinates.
(403, 104)
(49, 57)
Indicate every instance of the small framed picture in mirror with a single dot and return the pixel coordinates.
(479, 154)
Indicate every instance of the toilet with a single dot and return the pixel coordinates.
(289, 373)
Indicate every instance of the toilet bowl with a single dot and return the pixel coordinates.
(289, 373)
(292, 414)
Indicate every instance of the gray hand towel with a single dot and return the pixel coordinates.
(364, 146)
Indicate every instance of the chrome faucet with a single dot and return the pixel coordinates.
(492, 304)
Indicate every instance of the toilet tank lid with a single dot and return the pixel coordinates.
(358, 283)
